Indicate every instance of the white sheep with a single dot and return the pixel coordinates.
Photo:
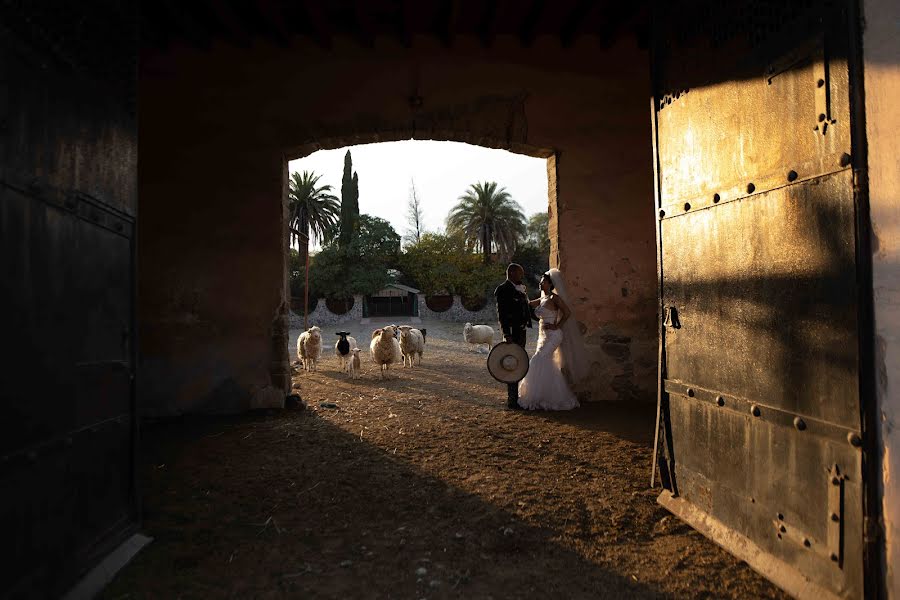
(343, 347)
(385, 348)
(412, 342)
(478, 334)
(309, 348)
(355, 366)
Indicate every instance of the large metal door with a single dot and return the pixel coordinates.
(68, 196)
(760, 357)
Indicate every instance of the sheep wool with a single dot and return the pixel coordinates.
(478, 335)
(309, 348)
(412, 343)
(385, 348)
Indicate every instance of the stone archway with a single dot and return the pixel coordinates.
(218, 128)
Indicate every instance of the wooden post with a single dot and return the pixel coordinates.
(306, 291)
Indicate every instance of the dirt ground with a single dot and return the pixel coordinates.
(420, 486)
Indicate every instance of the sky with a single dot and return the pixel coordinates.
(442, 172)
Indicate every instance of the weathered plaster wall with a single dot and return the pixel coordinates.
(881, 53)
(217, 126)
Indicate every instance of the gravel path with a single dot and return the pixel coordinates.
(419, 486)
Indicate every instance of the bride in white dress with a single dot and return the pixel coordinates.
(560, 350)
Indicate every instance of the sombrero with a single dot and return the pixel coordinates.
(507, 362)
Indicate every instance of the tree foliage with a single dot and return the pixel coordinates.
(488, 219)
(538, 230)
(362, 267)
(442, 264)
(350, 218)
(312, 208)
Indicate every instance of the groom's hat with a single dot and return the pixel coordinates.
(507, 362)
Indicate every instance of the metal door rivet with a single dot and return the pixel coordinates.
(806, 542)
(716, 198)
(792, 175)
(820, 83)
(754, 410)
(662, 213)
(720, 400)
(687, 206)
(821, 117)
(854, 440)
(845, 159)
(690, 392)
(835, 518)
(750, 188)
(799, 423)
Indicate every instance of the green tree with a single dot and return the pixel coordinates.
(349, 202)
(442, 264)
(362, 267)
(312, 208)
(488, 219)
(538, 230)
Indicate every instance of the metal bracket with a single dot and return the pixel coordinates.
(671, 319)
(836, 516)
(822, 82)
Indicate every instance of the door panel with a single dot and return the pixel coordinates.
(757, 213)
(68, 180)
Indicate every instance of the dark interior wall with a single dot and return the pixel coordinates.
(217, 124)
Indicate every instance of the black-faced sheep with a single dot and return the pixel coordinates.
(343, 347)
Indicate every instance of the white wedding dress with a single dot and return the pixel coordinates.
(545, 387)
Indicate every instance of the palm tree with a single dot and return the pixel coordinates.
(313, 210)
(488, 218)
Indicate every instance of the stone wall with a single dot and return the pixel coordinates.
(321, 316)
(881, 52)
(458, 313)
(213, 283)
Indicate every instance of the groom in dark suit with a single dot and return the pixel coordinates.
(514, 315)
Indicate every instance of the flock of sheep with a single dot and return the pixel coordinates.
(389, 345)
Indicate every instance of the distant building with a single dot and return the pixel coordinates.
(394, 300)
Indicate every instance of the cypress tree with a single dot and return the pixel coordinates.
(349, 203)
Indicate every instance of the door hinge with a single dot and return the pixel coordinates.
(871, 530)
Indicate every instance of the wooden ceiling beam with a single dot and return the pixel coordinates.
(194, 32)
(273, 16)
(230, 22)
(321, 29)
(576, 19)
(529, 29)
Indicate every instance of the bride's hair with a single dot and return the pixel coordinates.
(548, 277)
(573, 355)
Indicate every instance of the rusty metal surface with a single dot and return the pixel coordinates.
(759, 288)
(67, 204)
(778, 571)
